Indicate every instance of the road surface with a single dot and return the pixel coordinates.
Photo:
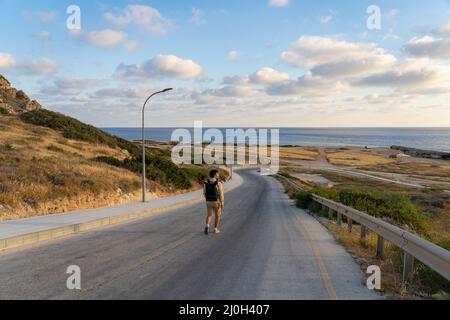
(268, 250)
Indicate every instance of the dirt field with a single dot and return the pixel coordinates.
(356, 159)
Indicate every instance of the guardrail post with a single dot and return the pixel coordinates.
(380, 245)
(408, 266)
(330, 214)
(339, 218)
(363, 232)
(350, 224)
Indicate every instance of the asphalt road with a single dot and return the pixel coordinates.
(268, 250)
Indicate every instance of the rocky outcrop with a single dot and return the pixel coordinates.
(15, 101)
(429, 154)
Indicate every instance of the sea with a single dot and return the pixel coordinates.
(437, 139)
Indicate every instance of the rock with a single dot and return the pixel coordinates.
(429, 154)
(15, 101)
(4, 84)
(21, 95)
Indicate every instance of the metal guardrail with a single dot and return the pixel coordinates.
(434, 256)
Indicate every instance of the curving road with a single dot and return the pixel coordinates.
(268, 250)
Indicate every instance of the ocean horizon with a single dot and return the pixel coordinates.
(437, 139)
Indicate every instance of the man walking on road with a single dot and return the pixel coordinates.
(213, 192)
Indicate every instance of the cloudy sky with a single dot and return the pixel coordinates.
(271, 63)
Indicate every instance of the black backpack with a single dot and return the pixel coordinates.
(211, 193)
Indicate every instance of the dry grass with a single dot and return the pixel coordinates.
(41, 172)
(415, 167)
(357, 159)
(364, 251)
(299, 153)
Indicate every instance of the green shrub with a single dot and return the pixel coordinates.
(3, 111)
(157, 168)
(110, 160)
(7, 146)
(303, 199)
(54, 148)
(430, 279)
(393, 206)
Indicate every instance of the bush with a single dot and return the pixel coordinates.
(110, 160)
(303, 199)
(157, 168)
(54, 148)
(3, 111)
(393, 206)
(7, 146)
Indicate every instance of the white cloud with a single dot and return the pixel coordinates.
(41, 16)
(233, 55)
(391, 13)
(391, 36)
(278, 3)
(268, 76)
(68, 86)
(115, 93)
(443, 30)
(43, 66)
(329, 57)
(7, 60)
(197, 17)
(413, 76)
(47, 16)
(165, 66)
(326, 19)
(106, 38)
(428, 46)
(236, 80)
(307, 84)
(146, 18)
(131, 45)
(434, 45)
(232, 91)
(43, 35)
(174, 67)
(263, 76)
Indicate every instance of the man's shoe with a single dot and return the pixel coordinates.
(216, 231)
(206, 230)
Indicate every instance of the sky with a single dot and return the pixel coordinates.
(243, 63)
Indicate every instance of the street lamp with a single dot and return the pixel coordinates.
(143, 141)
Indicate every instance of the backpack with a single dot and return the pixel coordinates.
(211, 192)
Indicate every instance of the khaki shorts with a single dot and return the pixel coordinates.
(213, 208)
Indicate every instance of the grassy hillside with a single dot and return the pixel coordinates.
(52, 163)
(43, 172)
(159, 167)
(74, 129)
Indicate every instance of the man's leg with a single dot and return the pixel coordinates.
(209, 214)
(218, 214)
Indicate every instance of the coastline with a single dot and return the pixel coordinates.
(436, 139)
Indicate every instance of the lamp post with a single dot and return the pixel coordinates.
(143, 140)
